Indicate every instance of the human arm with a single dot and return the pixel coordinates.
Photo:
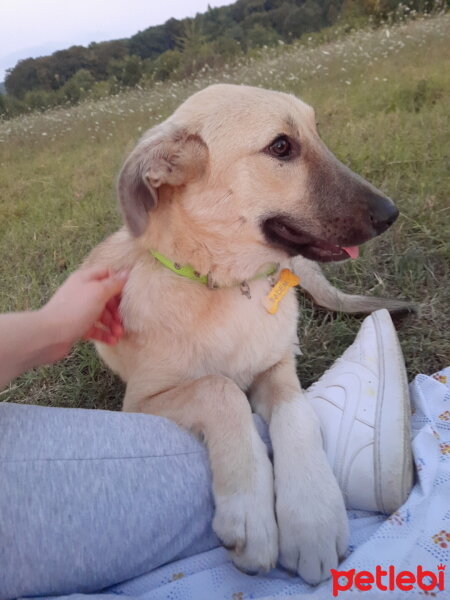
(85, 306)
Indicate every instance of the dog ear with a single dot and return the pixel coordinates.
(166, 155)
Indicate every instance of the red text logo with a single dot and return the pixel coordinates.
(388, 579)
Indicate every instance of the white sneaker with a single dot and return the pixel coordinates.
(363, 405)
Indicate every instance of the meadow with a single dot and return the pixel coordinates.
(382, 100)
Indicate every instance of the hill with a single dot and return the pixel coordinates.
(181, 48)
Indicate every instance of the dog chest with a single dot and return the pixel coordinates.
(189, 331)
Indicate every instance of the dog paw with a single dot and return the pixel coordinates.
(245, 522)
(313, 525)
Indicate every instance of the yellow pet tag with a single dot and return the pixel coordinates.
(286, 281)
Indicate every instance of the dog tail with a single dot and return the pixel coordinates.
(325, 295)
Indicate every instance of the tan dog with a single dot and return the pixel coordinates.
(235, 181)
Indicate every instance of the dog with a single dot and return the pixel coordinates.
(218, 202)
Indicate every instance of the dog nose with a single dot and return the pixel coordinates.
(382, 213)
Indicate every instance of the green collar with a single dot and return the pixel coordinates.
(183, 270)
(191, 273)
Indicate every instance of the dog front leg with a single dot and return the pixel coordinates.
(312, 522)
(218, 410)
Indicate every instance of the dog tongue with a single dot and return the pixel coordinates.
(352, 251)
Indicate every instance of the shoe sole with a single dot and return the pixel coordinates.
(392, 420)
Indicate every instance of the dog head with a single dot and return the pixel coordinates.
(252, 159)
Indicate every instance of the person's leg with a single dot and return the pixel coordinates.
(91, 498)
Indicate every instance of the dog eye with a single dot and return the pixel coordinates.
(281, 147)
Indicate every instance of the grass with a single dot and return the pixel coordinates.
(382, 102)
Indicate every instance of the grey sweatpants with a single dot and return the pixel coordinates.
(90, 498)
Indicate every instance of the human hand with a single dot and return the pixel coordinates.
(86, 306)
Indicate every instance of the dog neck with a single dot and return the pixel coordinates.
(224, 252)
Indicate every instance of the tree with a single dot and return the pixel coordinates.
(166, 65)
(132, 71)
(173, 29)
(128, 71)
(261, 36)
(22, 78)
(2, 105)
(102, 54)
(192, 45)
(303, 19)
(226, 48)
(40, 99)
(149, 43)
(65, 63)
(11, 106)
(281, 16)
(78, 86)
(192, 37)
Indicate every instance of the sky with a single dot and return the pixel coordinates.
(31, 28)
